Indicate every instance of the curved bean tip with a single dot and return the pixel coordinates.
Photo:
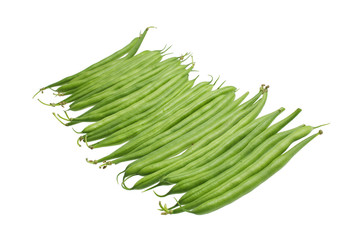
(320, 132)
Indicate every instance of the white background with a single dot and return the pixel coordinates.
(307, 51)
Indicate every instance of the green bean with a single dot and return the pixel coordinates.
(150, 91)
(242, 149)
(171, 104)
(240, 186)
(133, 51)
(184, 141)
(207, 150)
(97, 65)
(182, 113)
(142, 121)
(127, 148)
(263, 153)
(110, 69)
(113, 93)
(183, 120)
(129, 50)
(226, 139)
(239, 110)
(216, 133)
(223, 120)
(131, 130)
(155, 176)
(120, 75)
(141, 106)
(204, 176)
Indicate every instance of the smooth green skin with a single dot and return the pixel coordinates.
(137, 130)
(217, 132)
(165, 124)
(157, 166)
(178, 120)
(137, 78)
(130, 50)
(226, 138)
(135, 124)
(180, 126)
(232, 117)
(154, 114)
(178, 145)
(155, 176)
(251, 164)
(188, 124)
(114, 93)
(192, 177)
(166, 80)
(196, 180)
(223, 120)
(208, 152)
(142, 121)
(127, 150)
(240, 187)
(115, 66)
(140, 106)
(96, 66)
(133, 51)
(106, 81)
(239, 109)
(242, 148)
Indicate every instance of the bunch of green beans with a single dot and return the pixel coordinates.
(205, 142)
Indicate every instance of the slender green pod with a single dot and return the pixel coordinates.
(126, 150)
(129, 68)
(145, 103)
(205, 175)
(221, 120)
(155, 176)
(97, 65)
(130, 132)
(248, 148)
(150, 116)
(163, 125)
(239, 186)
(225, 139)
(114, 93)
(134, 49)
(167, 81)
(208, 152)
(265, 152)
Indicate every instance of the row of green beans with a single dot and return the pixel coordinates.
(201, 140)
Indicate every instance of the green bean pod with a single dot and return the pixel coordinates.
(225, 139)
(264, 153)
(141, 121)
(223, 120)
(130, 128)
(240, 186)
(114, 93)
(145, 103)
(243, 148)
(103, 82)
(166, 81)
(163, 125)
(196, 180)
(208, 151)
(127, 152)
(97, 65)
(155, 176)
